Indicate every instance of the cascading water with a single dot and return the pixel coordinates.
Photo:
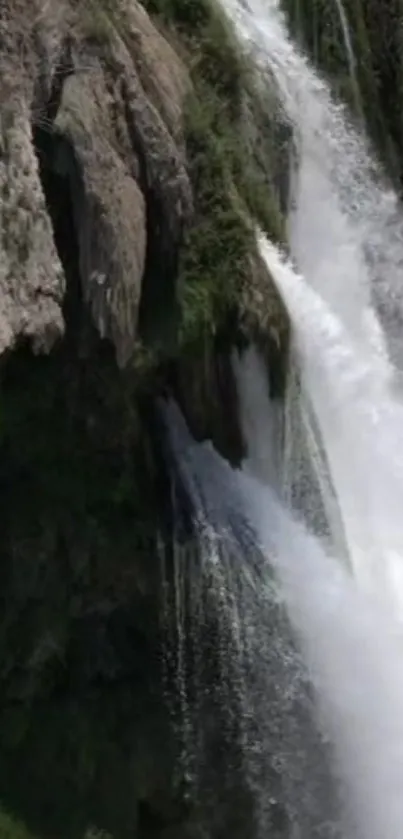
(345, 227)
(333, 456)
(265, 440)
(361, 426)
(352, 649)
(346, 238)
(285, 761)
(285, 448)
(354, 655)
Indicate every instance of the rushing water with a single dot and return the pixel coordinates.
(301, 552)
(345, 228)
(351, 647)
(361, 426)
(354, 655)
(345, 235)
(285, 761)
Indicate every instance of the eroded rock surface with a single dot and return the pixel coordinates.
(115, 150)
(96, 97)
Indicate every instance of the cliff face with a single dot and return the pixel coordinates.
(133, 150)
(80, 114)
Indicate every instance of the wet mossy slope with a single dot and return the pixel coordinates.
(236, 146)
(375, 30)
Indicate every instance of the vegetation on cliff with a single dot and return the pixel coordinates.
(12, 829)
(147, 148)
(375, 30)
(236, 147)
(232, 183)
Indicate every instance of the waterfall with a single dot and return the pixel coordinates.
(361, 425)
(345, 227)
(351, 647)
(354, 653)
(301, 551)
(285, 448)
(346, 239)
(265, 440)
(285, 762)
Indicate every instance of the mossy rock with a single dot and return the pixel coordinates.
(375, 31)
(84, 492)
(235, 159)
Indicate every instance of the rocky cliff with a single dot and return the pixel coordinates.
(135, 147)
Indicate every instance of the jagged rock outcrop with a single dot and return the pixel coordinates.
(32, 282)
(100, 104)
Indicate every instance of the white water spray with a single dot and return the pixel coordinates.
(345, 233)
(285, 449)
(264, 440)
(361, 426)
(346, 239)
(354, 655)
(284, 755)
(352, 648)
(345, 228)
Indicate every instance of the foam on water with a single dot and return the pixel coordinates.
(361, 426)
(352, 649)
(345, 225)
(346, 243)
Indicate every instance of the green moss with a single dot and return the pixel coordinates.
(97, 18)
(230, 184)
(10, 828)
(234, 180)
(189, 16)
(213, 259)
(375, 31)
(228, 190)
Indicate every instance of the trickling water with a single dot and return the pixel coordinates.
(352, 64)
(265, 440)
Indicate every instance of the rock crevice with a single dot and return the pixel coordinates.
(88, 94)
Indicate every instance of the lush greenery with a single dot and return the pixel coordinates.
(10, 828)
(231, 182)
(376, 34)
(235, 179)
